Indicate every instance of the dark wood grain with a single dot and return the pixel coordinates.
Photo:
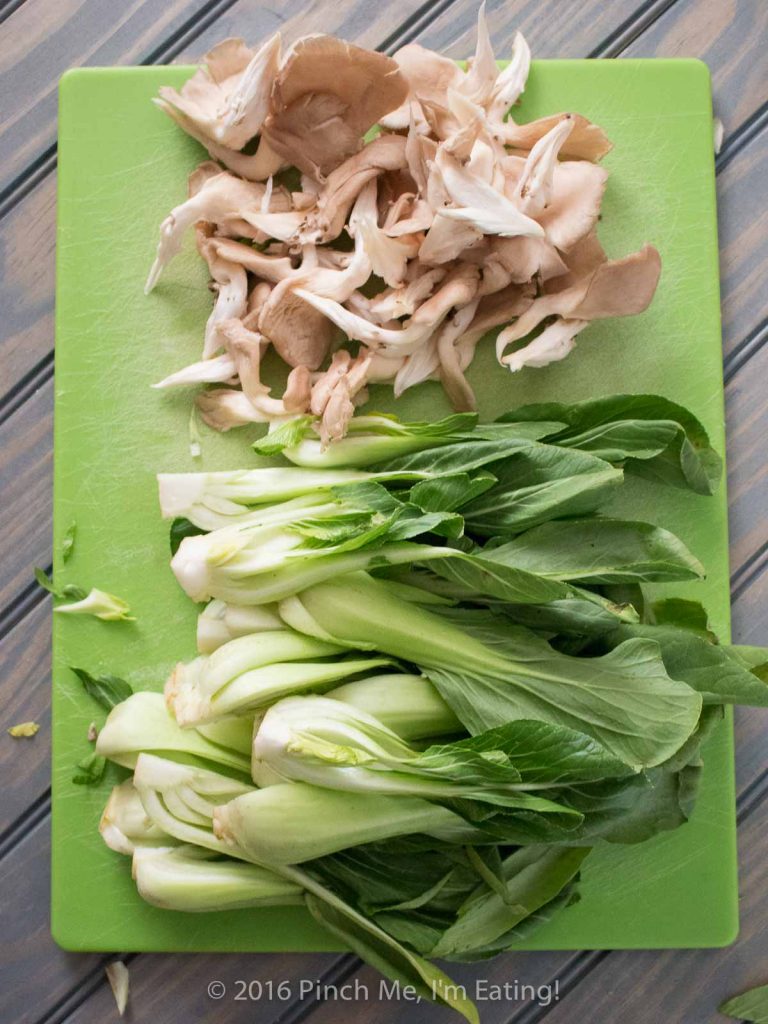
(34, 973)
(26, 461)
(40, 40)
(730, 37)
(743, 218)
(25, 695)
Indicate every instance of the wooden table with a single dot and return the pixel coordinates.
(39, 39)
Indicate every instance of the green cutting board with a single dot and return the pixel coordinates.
(123, 165)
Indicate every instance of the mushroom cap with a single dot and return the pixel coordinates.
(327, 95)
(301, 335)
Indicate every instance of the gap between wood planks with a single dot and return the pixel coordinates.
(624, 35)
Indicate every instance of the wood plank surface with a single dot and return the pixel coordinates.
(38, 40)
(42, 39)
(729, 36)
(35, 975)
(25, 696)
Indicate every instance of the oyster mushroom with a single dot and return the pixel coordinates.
(227, 98)
(327, 94)
(456, 385)
(271, 268)
(587, 141)
(334, 393)
(221, 200)
(510, 82)
(344, 184)
(612, 288)
(388, 256)
(553, 344)
(479, 204)
(301, 335)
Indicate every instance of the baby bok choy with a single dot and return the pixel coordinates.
(252, 671)
(624, 700)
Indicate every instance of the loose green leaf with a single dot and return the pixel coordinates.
(286, 435)
(90, 770)
(107, 690)
(98, 603)
(68, 542)
(68, 592)
(750, 1006)
(44, 580)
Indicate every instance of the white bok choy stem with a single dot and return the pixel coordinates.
(253, 671)
(294, 822)
(187, 878)
(220, 622)
(266, 495)
(143, 724)
(180, 799)
(125, 826)
(409, 705)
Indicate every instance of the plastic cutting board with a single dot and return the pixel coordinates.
(123, 165)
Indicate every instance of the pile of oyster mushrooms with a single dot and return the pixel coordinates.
(373, 218)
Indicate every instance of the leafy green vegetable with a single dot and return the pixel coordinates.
(749, 1006)
(533, 877)
(656, 437)
(182, 879)
(539, 483)
(624, 700)
(142, 723)
(370, 439)
(67, 592)
(90, 771)
(253, 671)
(387, 955)
(269, 825)
(106, 689)
(68, 542)
(600, 551)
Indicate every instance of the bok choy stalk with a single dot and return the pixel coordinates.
(378, 438)
(252, 671)
(188, 878)
(293, 822)
(143, 723)
(219, 623)
(125, 825)
(256, 564)
(409, 705)
(326, 743)
(624, 700)
(180, 799)
(212, 500)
